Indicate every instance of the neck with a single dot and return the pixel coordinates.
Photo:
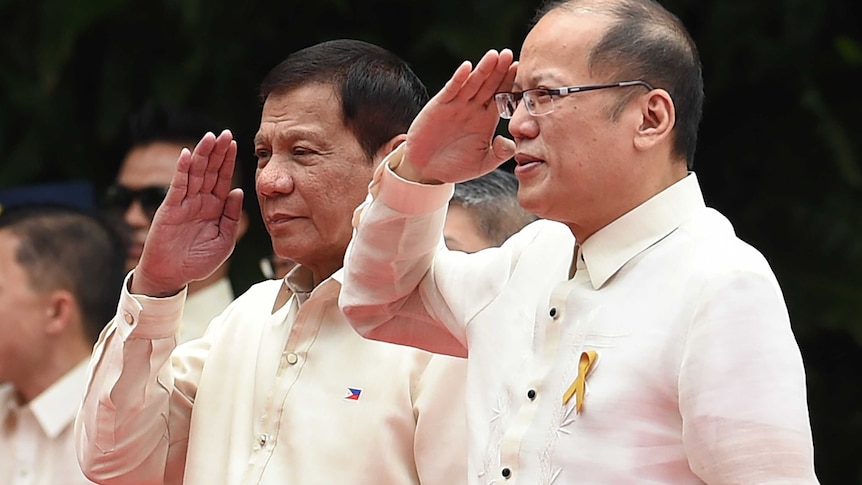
(323, 271)
(60, 358)
(643, 187)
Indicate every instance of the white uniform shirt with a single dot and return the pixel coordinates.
(695, 378)
(276, 392)
(202, 306)
(37, 442)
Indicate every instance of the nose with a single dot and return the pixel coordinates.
(522, 124)
(135, 216)
(273, 179)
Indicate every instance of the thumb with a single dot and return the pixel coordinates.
(503, 148)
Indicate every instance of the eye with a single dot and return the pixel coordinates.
(299, 151)
(262, 153)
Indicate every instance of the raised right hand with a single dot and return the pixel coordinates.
(194, 230)
(451, 138)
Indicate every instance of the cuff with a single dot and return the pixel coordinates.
(141, 316)
(406, 196)
(400, 194)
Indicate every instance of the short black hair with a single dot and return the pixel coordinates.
(156, 122)
(647, 42)
(66, 248)
(161, 122)
(379, 93)
(493, 201)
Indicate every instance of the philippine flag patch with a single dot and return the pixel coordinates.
(353, 394)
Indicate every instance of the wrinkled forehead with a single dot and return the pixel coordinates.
(556, 50)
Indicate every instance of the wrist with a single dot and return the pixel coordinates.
(408, 171)
(140, 284)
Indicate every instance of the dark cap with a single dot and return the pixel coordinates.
(77, 194)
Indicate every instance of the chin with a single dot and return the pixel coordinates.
(530, 201)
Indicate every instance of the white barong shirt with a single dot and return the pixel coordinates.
(667, 359)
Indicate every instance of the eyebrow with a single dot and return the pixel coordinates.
(541, 77)
(291, 134)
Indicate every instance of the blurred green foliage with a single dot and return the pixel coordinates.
(779, 149)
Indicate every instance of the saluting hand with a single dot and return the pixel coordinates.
(193, 231)
(452, 139)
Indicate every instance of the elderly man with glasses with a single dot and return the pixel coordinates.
(636, 339)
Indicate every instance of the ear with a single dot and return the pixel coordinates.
(62, 310)
(389, 147)
(658, 117)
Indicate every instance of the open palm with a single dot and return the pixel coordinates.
(194, 230)
(452, 138)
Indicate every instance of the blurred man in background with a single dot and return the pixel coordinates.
(59, 273)
(158, 134)
(484, 212)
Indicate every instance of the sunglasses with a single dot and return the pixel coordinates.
(119, 198)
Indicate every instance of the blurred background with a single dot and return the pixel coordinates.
(779, 149)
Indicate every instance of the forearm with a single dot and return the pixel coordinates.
(397, 236)
(130, 416)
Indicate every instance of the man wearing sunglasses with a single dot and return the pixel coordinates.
(158, 134)
(636, 339)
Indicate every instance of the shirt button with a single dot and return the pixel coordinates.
(506, 473)
(262, 439)
(531, 394)
(553, 312)
(128, 318)
(292, 358)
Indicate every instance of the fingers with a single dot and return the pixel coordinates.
(508, 82)
(200, 158)
(207, 160)
(180, 182)
(502, 148)
(224, 179)
(485, 80)
(229, 221)
(454, 84)
(216, 162)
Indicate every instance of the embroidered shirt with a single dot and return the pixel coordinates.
(275, 392)
(692, 372)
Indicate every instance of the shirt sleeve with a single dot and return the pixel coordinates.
(440, 441)
(133, 424)
(401, 284)
(742, 387)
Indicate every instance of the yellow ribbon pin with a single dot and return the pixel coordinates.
(579, 385)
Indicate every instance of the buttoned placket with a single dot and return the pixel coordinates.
(24, 430)
(545, 356)
(300, 336)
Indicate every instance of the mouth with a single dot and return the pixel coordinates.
(526, 162)
(278, 219)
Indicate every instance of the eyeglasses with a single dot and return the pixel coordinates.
(540, 101)
(119, 198)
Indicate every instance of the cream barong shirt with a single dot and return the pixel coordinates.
(276, 392)
(667, 359)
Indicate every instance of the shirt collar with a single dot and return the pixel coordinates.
(299, 281)
(55, 408)
(609, 249)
